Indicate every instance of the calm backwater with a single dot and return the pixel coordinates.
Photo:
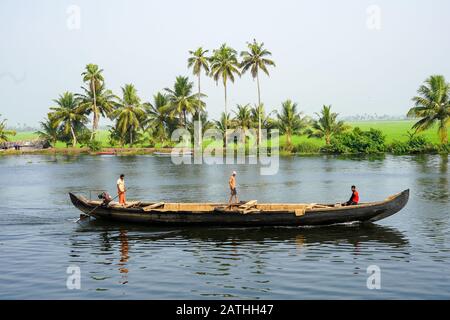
(39, 238)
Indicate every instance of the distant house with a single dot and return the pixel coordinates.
(26, 145)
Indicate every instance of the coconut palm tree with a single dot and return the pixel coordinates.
(157, 117)
(223, 124)
(4, 133)
(290, 121)
(327, 125)
(432, 105)
(243, 117)
(224, 64)
(94, 78)
(49, 131)
(255, 59)
(181, 99)
(204, 119)
(258, 114)
(199, 62)
(129, 113)
(68, 114)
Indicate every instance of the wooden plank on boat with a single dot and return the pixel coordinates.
(249, 204)
(132, 204)
(153, 206)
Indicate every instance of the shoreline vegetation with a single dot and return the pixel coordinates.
(396, 132)
(138, 127)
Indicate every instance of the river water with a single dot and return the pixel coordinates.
(39, 238)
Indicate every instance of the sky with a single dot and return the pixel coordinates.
(359, 56)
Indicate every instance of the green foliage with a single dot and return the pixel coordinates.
(94, 145)
(415, 144)
(4, 133)
(326, 125)
(357, 141)
(306, 147)
(432, 105)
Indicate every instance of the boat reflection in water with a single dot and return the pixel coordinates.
(221, 251)
(123, 237)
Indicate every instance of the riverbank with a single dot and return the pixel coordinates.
(396, 141)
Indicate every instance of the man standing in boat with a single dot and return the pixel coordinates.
(121, 189)
(354, 198)
(232, 184)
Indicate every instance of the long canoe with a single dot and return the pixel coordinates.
(249, 213)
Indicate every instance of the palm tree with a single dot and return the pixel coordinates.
(100, 102)
(206, 123)
(255, 59)
(157, 118)
(129, 113)
(243, 117)
(198, 62)
(290, 121)
(258, 114)
(4, 133)
(68, 114)
(93, 76)
(327, 125)
(224, 64)
(223, 124)
(49, 131)
(181, 99)
(433, 106)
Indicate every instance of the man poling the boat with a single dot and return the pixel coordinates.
(354, 198)
(121, 190)
(233, 191)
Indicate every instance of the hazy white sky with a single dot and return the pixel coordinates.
(326, 52)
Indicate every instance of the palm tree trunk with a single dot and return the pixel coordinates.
(226, 124)
(74, 137)
(199, 117)
(443, 132)
(259, 111)
(95, 120)
(131, 136)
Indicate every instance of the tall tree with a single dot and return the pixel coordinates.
(326, 125)
(255, 59)
(290, 121)
(258, 114)
(243, 117)
(129, 113)
(199, 62)
(225, 65)
(432, 105)
(93, 76)
(68, 114)
(181, 99)
(4, 133)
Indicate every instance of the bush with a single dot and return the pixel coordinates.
(415, 144)
(444, 148)
(306, 147)
(94, 145)
(357, 141)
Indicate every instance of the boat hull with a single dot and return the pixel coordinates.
(360, 213)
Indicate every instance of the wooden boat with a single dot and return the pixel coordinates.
(243, 214)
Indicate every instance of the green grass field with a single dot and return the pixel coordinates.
(394, 130)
